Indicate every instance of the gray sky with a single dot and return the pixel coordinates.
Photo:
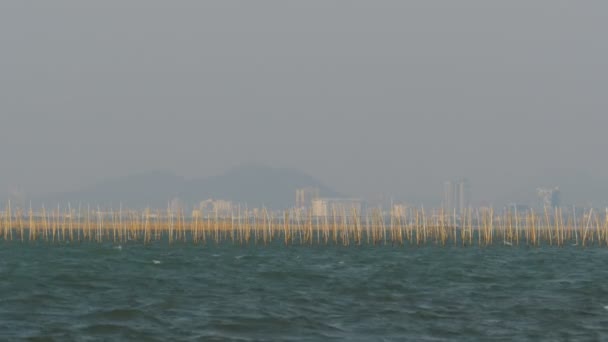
(368, 96)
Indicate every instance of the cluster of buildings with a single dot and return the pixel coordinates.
(206, 208)
(306, 196)
(308, 200)
(211, 207)
(457, 197)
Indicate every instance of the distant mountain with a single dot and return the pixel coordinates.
(256, 185)
(251, 184)
(153, 189)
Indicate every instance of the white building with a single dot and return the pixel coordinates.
(305, 197)
(323, 207)
(549, 197)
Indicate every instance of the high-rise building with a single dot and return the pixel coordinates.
(464, 195)
(448, 196)
(549, 197)
(456, 195)
(319, 207)
(305, 197)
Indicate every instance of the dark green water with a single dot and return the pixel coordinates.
(100, 292)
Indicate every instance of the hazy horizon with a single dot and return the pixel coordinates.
(371, 98)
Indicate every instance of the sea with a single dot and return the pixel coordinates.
(226, 292)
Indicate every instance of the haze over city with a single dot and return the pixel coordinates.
(358, 170)
(370, 98)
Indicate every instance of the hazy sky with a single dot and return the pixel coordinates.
(368, 96)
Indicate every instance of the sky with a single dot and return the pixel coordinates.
(370, 97)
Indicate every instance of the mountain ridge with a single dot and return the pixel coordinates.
(252, 184)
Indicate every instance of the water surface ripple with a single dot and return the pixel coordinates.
(191, 293)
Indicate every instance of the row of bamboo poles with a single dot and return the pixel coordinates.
(414, 226)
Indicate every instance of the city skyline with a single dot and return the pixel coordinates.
(303, 170)
(198, 88)
(455, 195)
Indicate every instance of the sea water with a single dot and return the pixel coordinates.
(188, 292)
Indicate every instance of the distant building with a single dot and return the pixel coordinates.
(518, 207)
(323, 207)
(222, 208)
(17, 198)
(447, 202)
(399, 210)
(456, 195)
(305, 196)
(549, 197)
(205, 207)
(212, 207)
(319, 207)
(176, 205)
